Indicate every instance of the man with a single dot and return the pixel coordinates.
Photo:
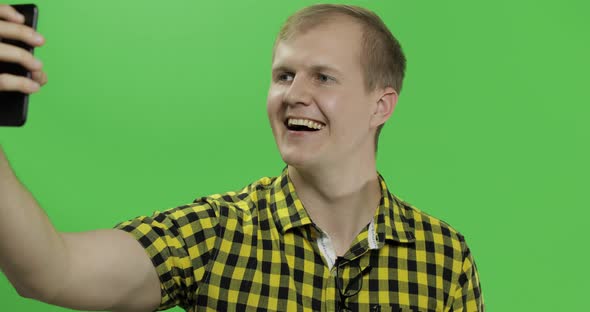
(325, 235)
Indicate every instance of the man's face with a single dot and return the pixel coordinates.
(317, 76)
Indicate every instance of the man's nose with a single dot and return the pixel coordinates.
(299, 92)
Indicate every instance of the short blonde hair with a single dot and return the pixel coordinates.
(382, 58)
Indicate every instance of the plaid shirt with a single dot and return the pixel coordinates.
(258, 250)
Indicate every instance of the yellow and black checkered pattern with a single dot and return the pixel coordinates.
(256, 250)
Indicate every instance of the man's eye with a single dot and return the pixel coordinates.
(285, 77)
(324, 78)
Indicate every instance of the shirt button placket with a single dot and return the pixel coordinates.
(330, 292)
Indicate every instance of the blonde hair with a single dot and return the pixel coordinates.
(382, 59)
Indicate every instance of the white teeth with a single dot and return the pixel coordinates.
(305, 122)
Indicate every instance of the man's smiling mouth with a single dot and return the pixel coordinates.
(302, 124)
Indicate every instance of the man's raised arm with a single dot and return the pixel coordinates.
(95, 270)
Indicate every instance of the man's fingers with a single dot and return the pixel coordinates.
(40, 77)
(8, 13)
(12, 27)
(17, 83)
(14, 54)
(10, 30)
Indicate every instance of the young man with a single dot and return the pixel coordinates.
(325, 235)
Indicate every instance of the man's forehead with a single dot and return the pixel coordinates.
(330, 54)
(287, 56)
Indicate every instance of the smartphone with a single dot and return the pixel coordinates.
(14, 105)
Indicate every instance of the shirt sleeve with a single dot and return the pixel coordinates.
(467, 296)
(179, 242)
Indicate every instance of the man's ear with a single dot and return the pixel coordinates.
(386, 100)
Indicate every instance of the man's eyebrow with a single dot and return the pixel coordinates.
(325, 68)
(313, 68)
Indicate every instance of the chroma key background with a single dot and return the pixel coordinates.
(491, 132)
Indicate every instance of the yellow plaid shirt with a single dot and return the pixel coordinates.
(257, 250)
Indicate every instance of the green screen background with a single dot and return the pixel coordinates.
(151, 104)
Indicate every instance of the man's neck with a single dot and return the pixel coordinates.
(340, 202)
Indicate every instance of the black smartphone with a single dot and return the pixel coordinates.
(14, 105)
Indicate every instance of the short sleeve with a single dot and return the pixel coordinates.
(467, 296)
(179, 242)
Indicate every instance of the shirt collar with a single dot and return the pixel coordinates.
(391, 218)
(391, 221)
(287, 209)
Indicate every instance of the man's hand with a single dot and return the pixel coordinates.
(12, 27)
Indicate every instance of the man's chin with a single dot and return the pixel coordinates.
(297, 160)
(301, 162)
